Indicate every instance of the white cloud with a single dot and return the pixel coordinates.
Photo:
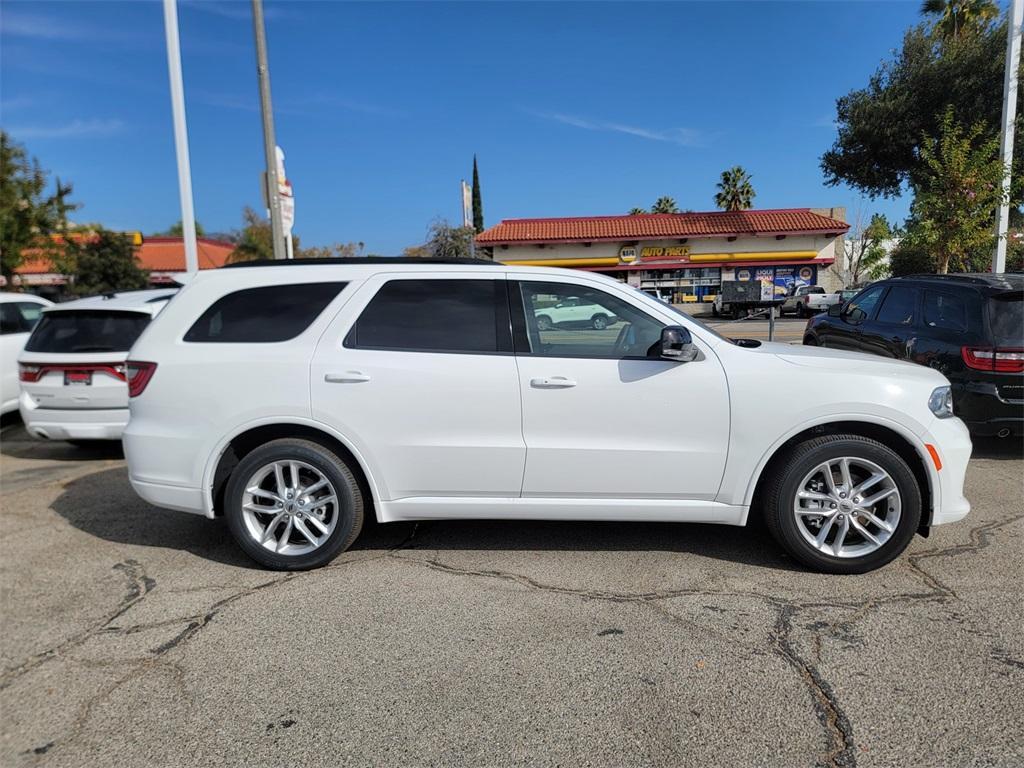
(77, 128)
(686, 137)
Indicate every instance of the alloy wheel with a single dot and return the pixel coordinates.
(847, 507)
(289, 507)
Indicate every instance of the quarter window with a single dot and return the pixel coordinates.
(898, 307)
(455, 316)
(566, 320)
(19, 316)
(265, 314)
(942, 310)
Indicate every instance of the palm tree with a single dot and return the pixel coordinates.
(637, 211)
(955, 16)
(664, 204)
(735, 192)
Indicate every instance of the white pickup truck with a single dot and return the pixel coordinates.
(806, 301)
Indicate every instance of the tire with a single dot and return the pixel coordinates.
(599, 322)
(735, 312)
(810, 341)
(714, 311)
(800, 311)
(315, 462)
(544, 323)
(900, 510)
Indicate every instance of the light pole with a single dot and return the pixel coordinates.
(1013, 34)
(188, 216)
(269, 143)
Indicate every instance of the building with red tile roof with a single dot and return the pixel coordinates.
(681, 256)
(162, 257)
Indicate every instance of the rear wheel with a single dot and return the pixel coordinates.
(293, 504)
(599, 322)
(842, 504)
(543, 323)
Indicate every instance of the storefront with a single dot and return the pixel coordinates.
(682, 257)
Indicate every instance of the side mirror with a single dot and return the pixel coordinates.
(836, 310)
(677, 345)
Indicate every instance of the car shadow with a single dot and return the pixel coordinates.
(102, 504)
(16, 443)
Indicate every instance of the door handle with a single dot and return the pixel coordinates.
(348, 377)
(552, 382)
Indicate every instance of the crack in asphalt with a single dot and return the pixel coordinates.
(837, 727)
(139, 585)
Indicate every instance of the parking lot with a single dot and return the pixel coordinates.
(137, 637)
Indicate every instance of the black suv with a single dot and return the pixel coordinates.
(968, 327)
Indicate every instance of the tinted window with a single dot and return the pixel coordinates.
(565, 320)
(862, 305)
(435, 316)
(267, 314)
(87, 331)
(19, 316)
(944, 310)
(812, 289)
(1006, 313)
(898, 306)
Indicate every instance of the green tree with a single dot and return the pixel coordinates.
(335, 251)
(956, 195)
(735, 192)
(255, 241)
(28, 212)
(100, 262)
(867, 256)
(665, 204)
(880, 126)
(448, 242)
(637, 211)
(177, 229)
(959, 17)
(478, 204)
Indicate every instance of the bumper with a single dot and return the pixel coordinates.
(71, 424)
(986, 413)
(170, 496)
(952, 443)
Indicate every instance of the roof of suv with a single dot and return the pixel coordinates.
(1007, 281)
(355, 260)
(150, 301)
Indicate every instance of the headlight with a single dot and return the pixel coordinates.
(941, 402)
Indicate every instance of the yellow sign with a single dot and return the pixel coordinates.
(665, 252)
(627, 254)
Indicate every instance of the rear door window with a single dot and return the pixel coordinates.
(74, 331)
(898, 306)
(265, 314)
(1006, 318)
(455, 316)
(945, 311)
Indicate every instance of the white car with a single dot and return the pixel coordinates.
(573, 312)
(72, 370)
(806, 301)
(297, 398)
(19, 313)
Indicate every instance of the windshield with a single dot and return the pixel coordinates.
(87, 331)
(1006, 316)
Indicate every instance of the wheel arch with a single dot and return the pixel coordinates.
(903, 444)
(252, 436)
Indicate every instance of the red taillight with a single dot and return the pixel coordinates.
(807, 299)
(989, 359)
(139, 374)
(32, 373)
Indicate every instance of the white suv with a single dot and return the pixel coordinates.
(73, 383)
(295, 398)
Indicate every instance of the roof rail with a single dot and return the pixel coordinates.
(356, 260)
(967, 278)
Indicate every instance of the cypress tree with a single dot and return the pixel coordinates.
(478, 205)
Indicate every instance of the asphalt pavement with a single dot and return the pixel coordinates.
(139, 637)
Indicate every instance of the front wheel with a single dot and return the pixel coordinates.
(544, 323)
(842, 504)
(293, 505)
(599, 322)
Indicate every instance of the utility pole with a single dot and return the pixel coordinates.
(1013, 34)
(188, 216)
(269, 142)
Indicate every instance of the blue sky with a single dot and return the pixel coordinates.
(572, 108)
